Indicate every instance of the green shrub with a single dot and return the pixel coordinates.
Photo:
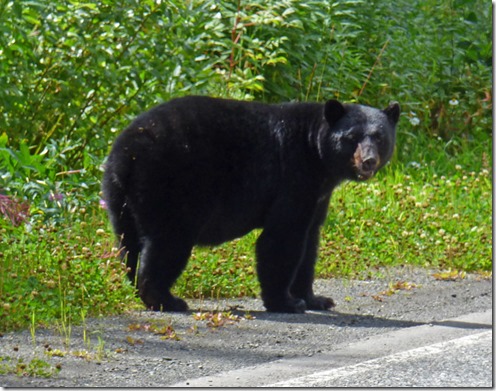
(80, 71)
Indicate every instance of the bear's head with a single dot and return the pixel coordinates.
(356, 140)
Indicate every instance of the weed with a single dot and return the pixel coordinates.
(97, 354)
(35, 367)
(248, 316)
(64, 323)
(101, 353)
(86, 337)
(32, 328)
(55, 353)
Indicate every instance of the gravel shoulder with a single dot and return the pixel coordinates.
(145, 349)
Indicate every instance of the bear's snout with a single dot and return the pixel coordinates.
(369, 164)
(366, 160)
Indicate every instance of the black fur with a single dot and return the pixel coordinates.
(200, 170)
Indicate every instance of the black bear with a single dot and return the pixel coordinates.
(203, 171)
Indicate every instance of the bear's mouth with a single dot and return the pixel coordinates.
(365, 170)
(364, 175)
(365, 162)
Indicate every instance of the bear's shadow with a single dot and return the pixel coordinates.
(339, 319)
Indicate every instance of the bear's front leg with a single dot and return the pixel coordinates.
(302, 286)
(280, 250)
(277, 261)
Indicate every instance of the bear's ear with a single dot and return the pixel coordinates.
(333, 111)
(393, 112)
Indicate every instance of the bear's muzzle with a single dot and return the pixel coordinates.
(366, 160)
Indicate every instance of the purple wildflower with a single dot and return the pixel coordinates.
(56, 196)
(16, 211)
(103, 204)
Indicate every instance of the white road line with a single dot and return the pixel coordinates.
(353, 370)
(350, 354)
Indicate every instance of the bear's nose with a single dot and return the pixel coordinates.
(369, 164)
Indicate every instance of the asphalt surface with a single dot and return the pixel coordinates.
(403, 358)
(404, 329)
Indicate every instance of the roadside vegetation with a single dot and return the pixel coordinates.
(73, 74)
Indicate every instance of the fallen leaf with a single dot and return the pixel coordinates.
(450, 275)
(131, 341)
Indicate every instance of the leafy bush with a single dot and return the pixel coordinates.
(80, 71)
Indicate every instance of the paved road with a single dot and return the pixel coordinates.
(451, 353)
(405, 328)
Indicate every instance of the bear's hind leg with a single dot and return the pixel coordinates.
(163, 259)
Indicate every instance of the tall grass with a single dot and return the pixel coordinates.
(59, 273)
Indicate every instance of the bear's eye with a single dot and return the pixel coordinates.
(353, 136)
(379, 138)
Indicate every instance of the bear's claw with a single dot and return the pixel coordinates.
(319, 303)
